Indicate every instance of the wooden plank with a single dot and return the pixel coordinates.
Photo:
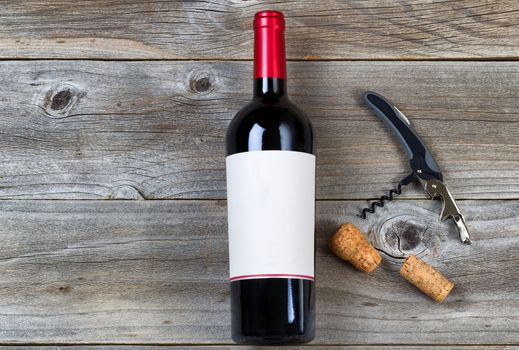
(329, 29)
(86, 129)
(244, 347)
(151, 272)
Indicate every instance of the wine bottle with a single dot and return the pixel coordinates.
(270, 169)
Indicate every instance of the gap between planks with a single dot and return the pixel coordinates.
(131, 346)
(219, 59)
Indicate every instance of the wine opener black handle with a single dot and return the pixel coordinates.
(421, 159)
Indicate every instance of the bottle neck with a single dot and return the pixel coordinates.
(269, 55)
(270, 88)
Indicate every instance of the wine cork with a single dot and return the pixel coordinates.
(426, 278)
(349, 244)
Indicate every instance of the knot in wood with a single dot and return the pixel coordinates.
(404, 235)
(125, 191)
(201, 82)
(202, 85)
(60, 100)
(65, 289)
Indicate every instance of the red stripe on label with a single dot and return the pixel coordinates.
(264, 275)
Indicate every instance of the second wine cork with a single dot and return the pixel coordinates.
(426, 278)
(349, 244)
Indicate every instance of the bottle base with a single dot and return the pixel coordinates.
(272, 311)
(274, 340)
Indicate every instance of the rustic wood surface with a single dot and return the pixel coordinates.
(155, 272)
(244, 347)
(130, 100)
(324, 29)
(155, 130)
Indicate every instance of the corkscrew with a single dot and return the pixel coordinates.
(424, 167)
(387, 197)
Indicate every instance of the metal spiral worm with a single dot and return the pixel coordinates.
(380, 203)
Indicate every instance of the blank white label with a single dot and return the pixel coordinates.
(271, 214)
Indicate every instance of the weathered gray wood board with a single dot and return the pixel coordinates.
(154, 130)
(245, 347)
(155, 272)
(329, 29)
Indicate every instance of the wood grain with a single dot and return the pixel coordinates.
(155, 130)
(133, 273)
(245, 347)
(152, 272)
(329, 29)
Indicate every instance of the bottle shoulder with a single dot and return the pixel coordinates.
(270, 125)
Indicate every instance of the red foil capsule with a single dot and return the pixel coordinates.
(269, 45)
